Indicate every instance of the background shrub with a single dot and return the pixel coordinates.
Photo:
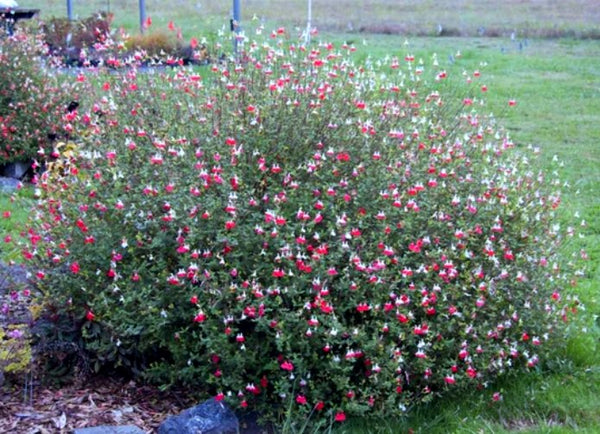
(153, 44)
(33, 101)
(92, 42)
(297, 231)
(77, 40)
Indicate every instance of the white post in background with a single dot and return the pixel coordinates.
(308, 24)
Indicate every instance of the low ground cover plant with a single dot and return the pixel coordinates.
(294, 232)
(15, 355)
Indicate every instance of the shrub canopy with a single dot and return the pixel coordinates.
(297, 229)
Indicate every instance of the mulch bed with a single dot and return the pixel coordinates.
(100, 401)
(97, 401)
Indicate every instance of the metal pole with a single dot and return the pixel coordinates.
(70, 10)
(309, 22)
(142, 4)
(235, 23)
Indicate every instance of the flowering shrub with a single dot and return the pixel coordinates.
(32, 100)
(300, 230)
(67, 39)
(92, 42)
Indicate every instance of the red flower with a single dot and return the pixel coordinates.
(90, 315)
(75, 268)
(287, 366)
(264, 382)
(229, 225)
(81, 225)
(340, 416)
(363, 307)
(449, 379)
(278, 272)
(173, 280)
(301, 399)
(471, 372)
(319, 405)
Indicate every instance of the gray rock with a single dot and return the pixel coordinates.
(210, 417)
(8, 184)
(109, 429)
(17, 169)
(13, 304)
(12, 277)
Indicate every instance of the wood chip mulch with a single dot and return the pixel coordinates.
(98, 402)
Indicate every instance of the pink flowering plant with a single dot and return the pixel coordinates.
(296, 230)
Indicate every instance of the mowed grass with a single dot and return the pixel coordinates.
(576, 18)
(14, 209)
(556, 83)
